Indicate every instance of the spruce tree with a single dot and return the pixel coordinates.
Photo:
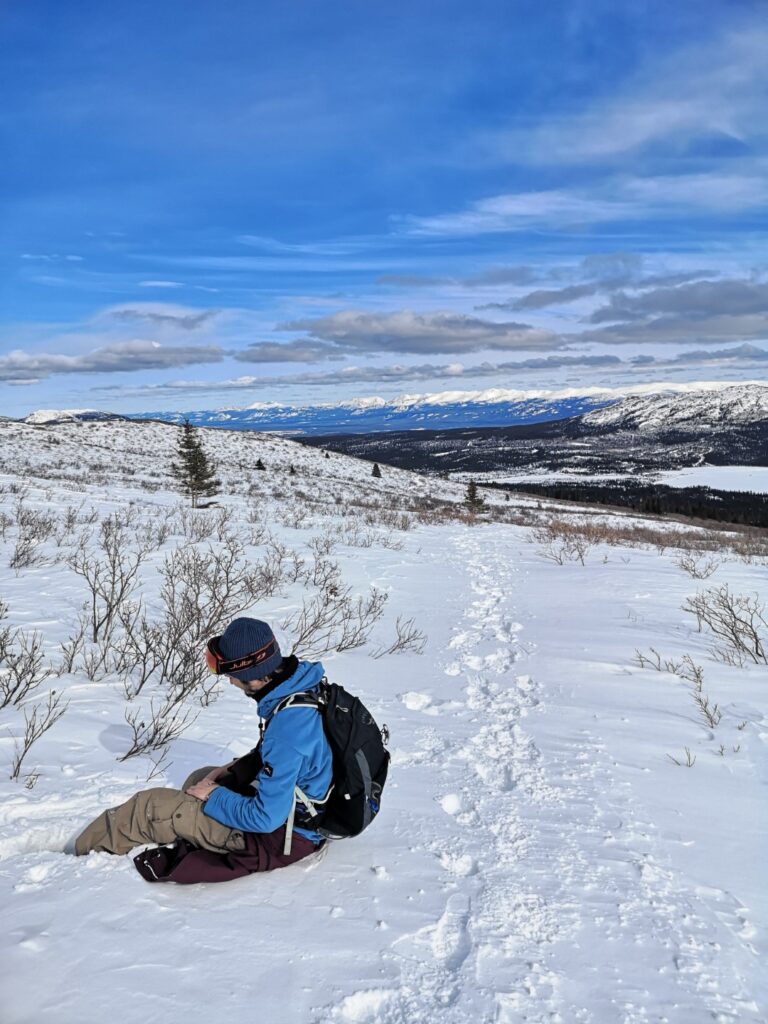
(472, 499)
(376, 471)
(260, 464)
(194, 471)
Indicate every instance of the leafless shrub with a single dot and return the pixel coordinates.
(5, 522)
(201, 591)
(295, 515)
(332, 620)
(156, 532)
(324, 574)
(711, 713)
(24, 554)
(322, 545)
(686, 668)
(747, 543)
(737, 621)
(73, 647)
(408, 638)
(97, 659)
(688, 761)
(654, 660)
(562, 542)
(111, 578)
(154, 728)
(388, 540)
(36, 524)
(138, 655)
(696, 565)
(353, 535)
(279, 566)
(222, 522)
(194, 524)
(360, 616)
(38, 719)
(691, 671)
(22, 663)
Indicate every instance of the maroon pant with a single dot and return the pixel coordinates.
(186, 864)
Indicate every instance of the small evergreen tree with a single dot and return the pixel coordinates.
(472, 499)
(291, 471)
(194, 471)
(376, 471)
(260, 464)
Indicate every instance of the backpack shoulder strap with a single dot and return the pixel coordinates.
(298, 700)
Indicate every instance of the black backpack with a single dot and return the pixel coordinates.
(360, 762)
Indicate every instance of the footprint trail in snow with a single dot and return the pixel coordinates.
(555, 907)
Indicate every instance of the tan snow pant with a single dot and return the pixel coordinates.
(159, 816)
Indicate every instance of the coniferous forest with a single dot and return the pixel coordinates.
(744, 507)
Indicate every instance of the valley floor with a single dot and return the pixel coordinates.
(538, 858)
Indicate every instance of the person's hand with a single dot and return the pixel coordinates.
(203, 789)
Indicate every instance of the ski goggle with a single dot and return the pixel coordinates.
(221, 666)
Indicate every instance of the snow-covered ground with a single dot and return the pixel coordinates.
(539, 856)
(723, 478)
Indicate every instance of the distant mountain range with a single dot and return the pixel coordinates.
(445, 411)
(644, 408)
(638, 434)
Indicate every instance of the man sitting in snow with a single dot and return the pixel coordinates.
(230, 821)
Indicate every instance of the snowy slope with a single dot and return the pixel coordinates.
(538, 857)
(741, 403)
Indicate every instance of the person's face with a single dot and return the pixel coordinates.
(249, 688)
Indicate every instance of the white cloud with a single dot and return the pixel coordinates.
(128, 356)
(424, 333)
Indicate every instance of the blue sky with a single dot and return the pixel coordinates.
(220, 204)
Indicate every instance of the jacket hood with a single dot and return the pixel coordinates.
(306, 677)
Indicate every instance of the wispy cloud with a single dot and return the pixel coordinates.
(162, 315)
(120, 357)
(715, 91)
(617, 199)
(53, 257)
(544, 297)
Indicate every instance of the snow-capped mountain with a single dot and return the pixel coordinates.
(42, 417)
(651, 404)
(445, 411)
(646, 407)
(738, 404)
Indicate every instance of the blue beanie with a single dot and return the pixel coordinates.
(244, 636)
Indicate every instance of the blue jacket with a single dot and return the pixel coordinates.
(295, 752)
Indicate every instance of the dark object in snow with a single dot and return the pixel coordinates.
(376, 471)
